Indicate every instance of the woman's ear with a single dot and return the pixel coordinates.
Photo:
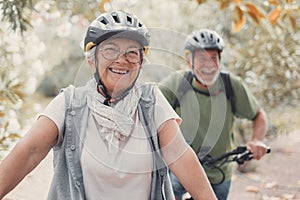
(92, 65)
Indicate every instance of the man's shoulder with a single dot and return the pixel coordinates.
(234, 79)
(174, 78)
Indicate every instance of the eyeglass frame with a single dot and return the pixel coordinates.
(123, 52)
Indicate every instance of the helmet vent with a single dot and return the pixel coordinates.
(116, 18)
(140, 24)
(129, 19)
(103, 21)
(196, 39)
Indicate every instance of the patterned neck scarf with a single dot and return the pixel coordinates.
(114, 123)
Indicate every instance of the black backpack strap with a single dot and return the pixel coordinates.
(229, 90)
(183, 87)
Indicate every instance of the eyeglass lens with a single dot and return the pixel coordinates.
(112, 52)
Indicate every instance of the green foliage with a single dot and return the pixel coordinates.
(17, 13)
(10, 102)
(270, 65)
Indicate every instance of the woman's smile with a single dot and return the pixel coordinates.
(118, 71)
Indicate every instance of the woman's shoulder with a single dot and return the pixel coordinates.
(147, 89)
(76, 95)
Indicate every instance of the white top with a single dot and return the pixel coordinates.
(121, 171)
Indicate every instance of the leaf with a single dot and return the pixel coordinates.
(271, 185)
(288, 196)
(18, 86)
(20, 94)
(6, 125)
(201, 1)
(224, 4)
(274, 14)
(293, 22)
(2, 114)
(240, 20)
(102, 5)
(236, 2)
(252, 189)
(273, 2)
(254, 17)
(253, 9)
(14, 136)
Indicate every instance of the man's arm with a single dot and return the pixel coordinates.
(259, 127)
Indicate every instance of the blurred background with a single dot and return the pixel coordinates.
(41, 52)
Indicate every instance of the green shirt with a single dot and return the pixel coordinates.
(207, 120)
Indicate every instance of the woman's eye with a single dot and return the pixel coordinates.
(111, 50)
(133, 52)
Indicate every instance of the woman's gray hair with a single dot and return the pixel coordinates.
(90, 55)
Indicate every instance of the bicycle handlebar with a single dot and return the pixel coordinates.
(241, 155)
(246, 156)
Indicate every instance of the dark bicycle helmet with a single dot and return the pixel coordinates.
(118, 24)
(204, 39)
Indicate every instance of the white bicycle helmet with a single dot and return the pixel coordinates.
(116, 23)
(204, 39)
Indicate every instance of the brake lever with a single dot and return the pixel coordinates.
(241, 158)
(246, 156)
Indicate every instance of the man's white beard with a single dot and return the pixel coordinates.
(208, 83)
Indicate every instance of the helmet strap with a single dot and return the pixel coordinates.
(98, 79)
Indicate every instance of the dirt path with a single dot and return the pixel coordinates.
(35, 186)
(277, 176)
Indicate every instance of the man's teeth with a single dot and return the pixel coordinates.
(119, 71)
(208, 71)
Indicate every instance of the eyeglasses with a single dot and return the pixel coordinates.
(112, 52)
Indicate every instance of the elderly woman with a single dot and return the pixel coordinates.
(114, 138)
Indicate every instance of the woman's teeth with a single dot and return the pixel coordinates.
(117, 71)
